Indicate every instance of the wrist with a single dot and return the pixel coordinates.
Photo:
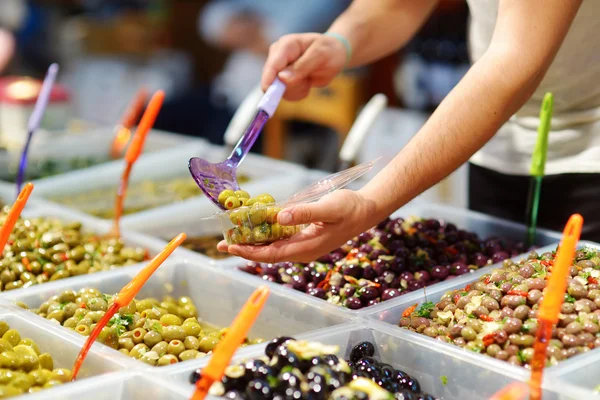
(344, 42)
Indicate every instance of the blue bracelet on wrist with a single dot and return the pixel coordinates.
(344, 42)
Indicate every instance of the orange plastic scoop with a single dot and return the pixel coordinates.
(552, 301)
(236, 334)
(130, 118)
(514, 391)
(133, 153)
(126, 295)
(13, 215)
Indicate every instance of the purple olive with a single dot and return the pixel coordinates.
(367, 293)
(398, 265)
(250, 268)
(440, 272)
(365, 237)
(352, 270)
(500, 256)
(449, 228)
(376, 253)
(390, 294)
(269, 278)
(414, 285)
(299, 282)
(353, 303)
(480, 260)
(317, 292)
(422, 276)
(459, 269)
(326, 259)
(372, 302)
(365, 248)
(369, 273)
(335, 290)
(310, 285)
(395, 283)
(348, 291)
(381, 282)
(432, 224)
(318, 277)
(380, 266)
(395, 227)
(407, 276)
(385, 239)
(395, 245)
(383, 224)
(270, 269)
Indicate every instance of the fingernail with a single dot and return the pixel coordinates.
(285, 217)
(286, 74)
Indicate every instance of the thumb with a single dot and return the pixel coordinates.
(304, 214)
(309, 62)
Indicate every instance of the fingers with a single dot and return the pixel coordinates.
(283, 53)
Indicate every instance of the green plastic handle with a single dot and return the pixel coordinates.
(538, 160)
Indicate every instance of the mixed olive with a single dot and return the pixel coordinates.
(23, 366)
(157, 332)
(46, 249)
(497, 315)
(51, 167)
(294, 369)
(254, 218)
(141, 196)
(394, 258)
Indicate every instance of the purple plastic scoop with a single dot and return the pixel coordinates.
(35, 119)
(214, 178)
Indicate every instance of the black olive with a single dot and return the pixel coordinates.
(233, 383)
(283, 357)
(332, 360)
(413, 385)
(259, 389)
(405, 395)
(234, 395)
(274, 344)
(263, 372)
(388, 371)
(361, 350)
(195, 377)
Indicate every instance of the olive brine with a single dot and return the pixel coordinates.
(152, 331)
(497, 315)
(308, 370)
(254, 219)
(396, 257)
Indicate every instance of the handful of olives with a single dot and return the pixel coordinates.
(255, 218)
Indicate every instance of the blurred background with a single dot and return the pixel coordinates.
(207, 55)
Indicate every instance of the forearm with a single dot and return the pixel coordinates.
(489, 94)
(376, 29)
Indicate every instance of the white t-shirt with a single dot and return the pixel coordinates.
(574, 80)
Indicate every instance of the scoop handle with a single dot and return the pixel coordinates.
(135, 109)
(43, 98)
(272, 97)
(557, 285)
(538, 159)
(13, 215)
(242, 118)
(137, 144)
(361, 128)
(132, 288)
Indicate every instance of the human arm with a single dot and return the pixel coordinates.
(372, 29)
(7, 48)
(526, 39)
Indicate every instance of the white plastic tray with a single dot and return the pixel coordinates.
(95, 144)
(265, 174)
(466, 379)
(392, 312)
(217, 295)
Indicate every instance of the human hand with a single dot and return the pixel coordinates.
(333, 220)
(303, 61)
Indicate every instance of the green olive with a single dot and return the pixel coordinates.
(52, 383)
(160, 348)
(46, 361)
(57, 315)
(3, 328)
(22, 382)
(239, 217)
(5, 346)
(83, 330)
(265, 198)
(126, 343)
(9, 391)
(124, 351)
(170, 320)
(188, 355)
(175, 347)
(30, 343)
(40, 376)
(167, 359)
(139, 350)
(241, 194)
(191, 343)
(61, 374)
(208, 343)
(258, 214)
(191, 328)
(109, 337)
(261, 233)
(232, 202)
(150, 358)
(152, 338)
(173, 333)
(9, 360)
(12, 336)
(146, 304)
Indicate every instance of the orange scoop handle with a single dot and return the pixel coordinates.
(137, 144)
(236, 334)
(514, 391)
(557, 285)
(14, 214)
(129, 291)
(135, 109)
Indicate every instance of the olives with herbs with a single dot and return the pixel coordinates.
(497, 315)
(294, 369)
(156, 332)
(24, 367)
(46, 249)
(254, 219)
